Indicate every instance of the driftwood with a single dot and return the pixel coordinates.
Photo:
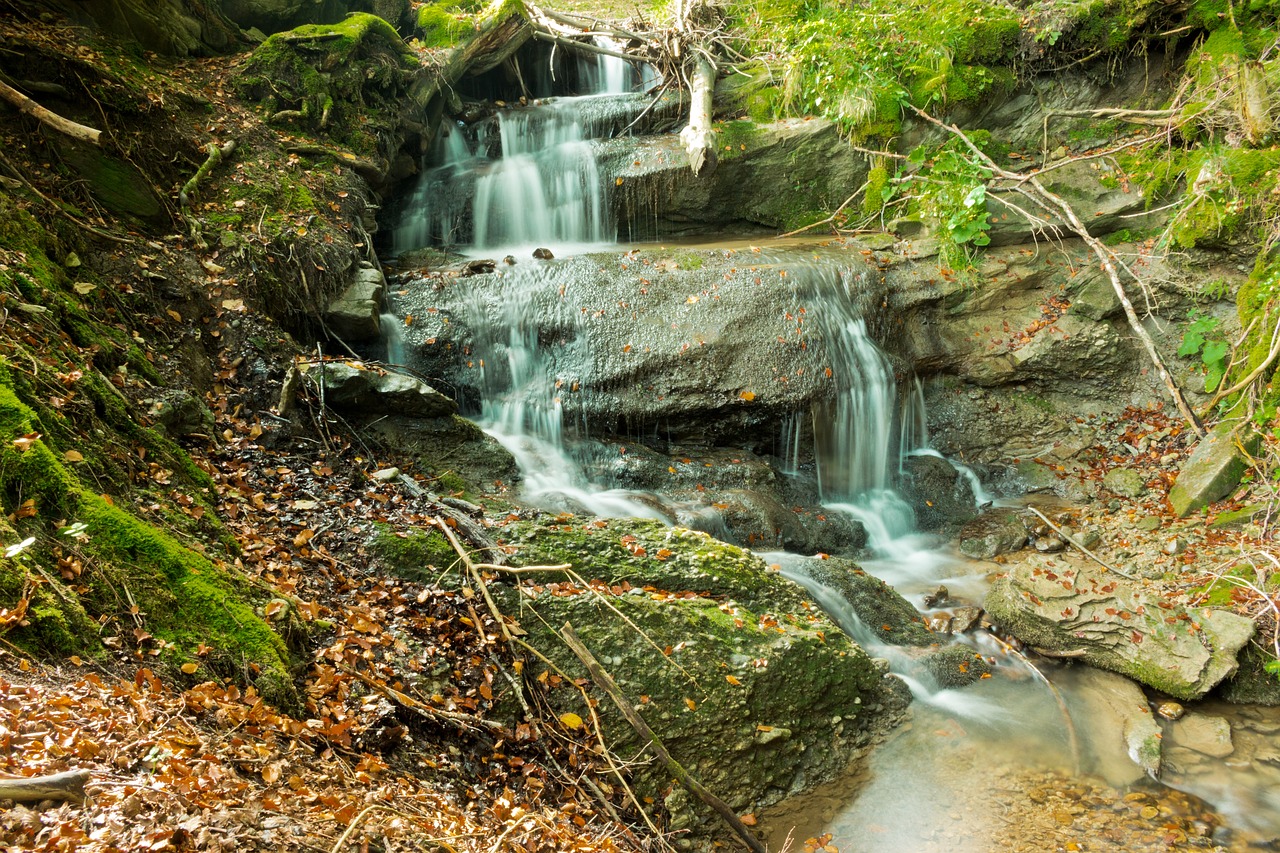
(63, 787)
(47, 117)
(606, 683)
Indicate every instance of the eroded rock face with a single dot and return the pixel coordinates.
(1212, 472)
(1062, 605)
(761, 695)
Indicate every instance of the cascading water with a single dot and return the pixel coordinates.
(527, 177)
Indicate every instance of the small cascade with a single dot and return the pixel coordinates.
(393, 339)
(527, 177)
(524, 375)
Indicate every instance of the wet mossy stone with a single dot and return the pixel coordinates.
(1252, 684)
(955, 666)
(887, 615)
(118, 185)
(742, 677)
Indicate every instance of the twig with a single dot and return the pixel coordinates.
(605, 681)
(434, 714)
(57, 207)
(1072, 540)
(831, 218)
(67, 786)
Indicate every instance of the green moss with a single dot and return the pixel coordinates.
(417, 555)
(877, 185)
(444, 24)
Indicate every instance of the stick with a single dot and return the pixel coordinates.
(216, 156)
(829, 219)
(67, 786)
(46, 117)
(1071, 539)
(609, 686)
(434, 714)
(586, 47)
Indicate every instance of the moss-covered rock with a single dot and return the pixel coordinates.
(416, 555)
(747, 683)
(343, 80)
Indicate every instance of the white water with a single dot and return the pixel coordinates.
(393, 338)
(528, 177)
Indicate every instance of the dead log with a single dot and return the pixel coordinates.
(63, 787)
(698, 137)
(605, 682)
(47, 117)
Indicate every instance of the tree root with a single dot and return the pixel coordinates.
(216, 156)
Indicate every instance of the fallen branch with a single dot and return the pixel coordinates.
(47, 117)
(57, 207)
(1106, 257)
(698, 137)
(832, 217)
(1252, 376)
(606, 683)
(436, 715)
(64, 787)
(584, 46)
(1067, 537)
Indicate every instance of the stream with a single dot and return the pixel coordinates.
(1008, 762)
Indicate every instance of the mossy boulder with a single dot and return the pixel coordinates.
(747, 683)
(345, 81)
(1064, 605)
(416, 555)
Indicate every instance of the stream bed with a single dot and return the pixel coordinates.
(1033, 757)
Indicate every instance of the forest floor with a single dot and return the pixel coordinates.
(367, 763)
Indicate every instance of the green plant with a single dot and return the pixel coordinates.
(952, 191)
(1204, 339)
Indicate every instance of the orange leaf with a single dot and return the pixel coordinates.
(693, 706)
(747, 395)
(190, 668)
(73, 456)
(748, 819)
(732, 680)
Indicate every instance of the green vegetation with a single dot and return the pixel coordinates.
(97, 573)
(446, 22)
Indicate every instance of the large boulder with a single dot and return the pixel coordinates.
(779, 175)
(167, 27)
(1213, 470)
(747, 683)
(1063, 605)
(272, 16)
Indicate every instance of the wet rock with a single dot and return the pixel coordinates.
(879, 608)
(1064, 605)
(356, 315)
(1170, 711)
(937, 597)
(997, 532)
(1206, 734)
(543, 254)
(1125, 482)
(941, 497)
(1212, 471)
(479, 267)
(456, 452)
(348, 387)
(1107, 696)
(955, 666)
(801, 674)
(959, 620)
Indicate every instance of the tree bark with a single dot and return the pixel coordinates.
(698, 137)
(605, 682)
(46, 117)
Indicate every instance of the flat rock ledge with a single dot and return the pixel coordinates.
(1064, 607)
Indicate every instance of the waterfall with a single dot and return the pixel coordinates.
(527, 177)
(393, 339)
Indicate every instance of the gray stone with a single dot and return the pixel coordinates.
(369, 391)
(1125, 482)
(1108, 697)
(356, 315)
(1148, 523)
(1093, 296)
(941, 497)
(1212, 471)
(1207, 734)
(997, 532)
(449, 448)
(1065, 605)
